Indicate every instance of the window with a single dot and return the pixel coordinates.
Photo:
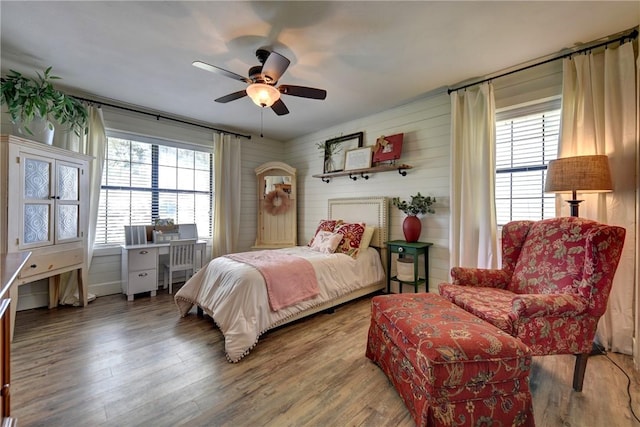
(526, 139)
(146, 180)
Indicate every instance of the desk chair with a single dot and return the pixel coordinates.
(181, 258)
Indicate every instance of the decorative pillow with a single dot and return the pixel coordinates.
(351, 237)
(326, 242)
(366, 237)
(325, 225)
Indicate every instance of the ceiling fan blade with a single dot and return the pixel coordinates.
(279, 108)
(218, 70)
(232, 96)
(303, 91)
(274, 66)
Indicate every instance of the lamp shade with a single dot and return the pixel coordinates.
(263, 95)
(586, 174)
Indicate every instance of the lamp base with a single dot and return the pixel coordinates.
(575, 204)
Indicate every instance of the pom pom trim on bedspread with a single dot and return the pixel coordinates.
(260, 334)
(210, 314)
(276, 202)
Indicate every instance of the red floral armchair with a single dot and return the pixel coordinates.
(553, 286)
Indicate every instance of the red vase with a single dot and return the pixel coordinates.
(411, 227)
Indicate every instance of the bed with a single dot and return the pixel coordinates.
(234, 294)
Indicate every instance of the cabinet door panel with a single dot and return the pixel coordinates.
(67, 177)
(34, 228)
(68, 220)
(36, 223)
(37, 178)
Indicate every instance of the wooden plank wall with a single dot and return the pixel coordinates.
(426, 126)
(425, 122)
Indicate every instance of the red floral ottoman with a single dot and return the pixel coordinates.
(450, 367)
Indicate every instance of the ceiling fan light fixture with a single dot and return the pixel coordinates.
(263, 95)
(262, 80)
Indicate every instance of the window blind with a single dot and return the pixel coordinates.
(526, 140)
(144, 180)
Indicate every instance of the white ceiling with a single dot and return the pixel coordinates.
(369, 56)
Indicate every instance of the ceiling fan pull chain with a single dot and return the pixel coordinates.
(261, 122)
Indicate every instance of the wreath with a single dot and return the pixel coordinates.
(276, 202)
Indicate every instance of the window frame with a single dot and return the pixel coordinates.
(514, 112)
(154, 188)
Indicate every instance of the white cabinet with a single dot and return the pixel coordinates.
(139, 270)
(45, 196)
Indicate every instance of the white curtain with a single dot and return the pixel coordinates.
(92, 144)
(226, 209)
(599, 116)
(473, 213)
(636, 350)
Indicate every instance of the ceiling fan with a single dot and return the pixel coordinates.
(262, 80)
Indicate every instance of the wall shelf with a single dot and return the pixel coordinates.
(354, 174)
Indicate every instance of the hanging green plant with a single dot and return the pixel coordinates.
(28, 98)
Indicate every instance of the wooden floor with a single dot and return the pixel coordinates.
(119, 363)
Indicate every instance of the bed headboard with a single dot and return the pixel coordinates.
(373, 211)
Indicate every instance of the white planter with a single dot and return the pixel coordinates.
(41, 130)
(404, 268)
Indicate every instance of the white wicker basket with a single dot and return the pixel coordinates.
(404, 267)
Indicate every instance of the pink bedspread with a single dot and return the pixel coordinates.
(289, 279)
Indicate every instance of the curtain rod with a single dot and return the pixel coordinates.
(631, 35)
(160, 116)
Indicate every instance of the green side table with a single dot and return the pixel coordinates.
(403, 249)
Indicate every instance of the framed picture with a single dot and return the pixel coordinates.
(388, 148)
(335, 149)
(358, 158)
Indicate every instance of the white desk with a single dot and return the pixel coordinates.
(140, 266)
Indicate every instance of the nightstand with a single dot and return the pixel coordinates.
(414, 250)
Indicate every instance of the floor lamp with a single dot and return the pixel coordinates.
(586, 174)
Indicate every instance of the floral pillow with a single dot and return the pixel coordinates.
(351, 237)
(326, 242)
(325, 225)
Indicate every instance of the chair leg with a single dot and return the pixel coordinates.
(579, 370)
(170, 282)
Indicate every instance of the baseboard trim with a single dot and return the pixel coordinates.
(106, 288)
